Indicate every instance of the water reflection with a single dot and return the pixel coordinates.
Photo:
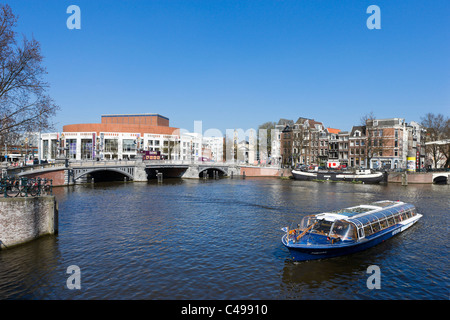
(221, 239)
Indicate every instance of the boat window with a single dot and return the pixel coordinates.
(360, 233)
(391, 221)
(376, 227)
(368, 230)
(307, 221)
(344, 230)
(322, 227)
(381, 219)
(390, 212)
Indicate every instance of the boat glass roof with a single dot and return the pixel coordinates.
(380, 215)
(383, 203)
(349, 212)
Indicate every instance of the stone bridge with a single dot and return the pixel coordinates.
(441, 177)
(131, 170)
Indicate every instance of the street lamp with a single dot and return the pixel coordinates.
(66, 149)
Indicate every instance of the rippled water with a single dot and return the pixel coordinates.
(221, 239)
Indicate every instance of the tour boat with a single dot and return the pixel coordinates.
(365, 175)
(348, 230)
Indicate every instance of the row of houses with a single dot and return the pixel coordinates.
(379, 144)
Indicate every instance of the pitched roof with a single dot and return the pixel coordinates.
(331, 130)
(361, 129)
(285, 122)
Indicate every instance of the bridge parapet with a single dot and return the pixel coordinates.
(136, 170)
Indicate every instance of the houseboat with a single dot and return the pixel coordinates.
(362, 175)
(348, 230)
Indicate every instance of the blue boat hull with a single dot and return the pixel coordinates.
(304, 252)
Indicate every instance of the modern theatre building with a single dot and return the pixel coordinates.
(118, 136)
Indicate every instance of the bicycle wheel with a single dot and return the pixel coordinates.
(11, 191)
(34, 191)
(22, 191)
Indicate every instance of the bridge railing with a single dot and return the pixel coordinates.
(15, 170)
(117, 162)
(94, 163)
(191, 162)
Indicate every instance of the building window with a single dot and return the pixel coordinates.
(53, 149)
(111, 145)
(72, 144)
(86, 148)
(129, 145)
(45, 149)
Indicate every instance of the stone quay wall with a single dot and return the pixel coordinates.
(399, 177)
(264, 171)
(27, 218)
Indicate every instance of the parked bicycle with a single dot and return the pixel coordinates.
(9, 187)
(24, 187)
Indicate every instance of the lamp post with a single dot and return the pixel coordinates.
(66, 160)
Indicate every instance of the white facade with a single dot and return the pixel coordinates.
(126, 146)
(275, 154)
(190, 146)
(215, 146)
(105, 146)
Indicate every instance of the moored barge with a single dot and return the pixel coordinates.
(366, 176)
(348, 230)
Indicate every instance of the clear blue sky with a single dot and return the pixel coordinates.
(239, 63)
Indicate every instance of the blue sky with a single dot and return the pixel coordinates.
(240, 63)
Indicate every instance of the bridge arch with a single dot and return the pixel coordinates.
(104, 174)
(210, 172)
(440, 178)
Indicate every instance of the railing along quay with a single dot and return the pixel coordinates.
(12, 187)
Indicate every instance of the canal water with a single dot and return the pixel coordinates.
(221, 239)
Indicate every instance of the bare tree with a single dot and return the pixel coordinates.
(438, 128)
(268, 126)
(374, 137)
(368, 116)
(24, 102)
